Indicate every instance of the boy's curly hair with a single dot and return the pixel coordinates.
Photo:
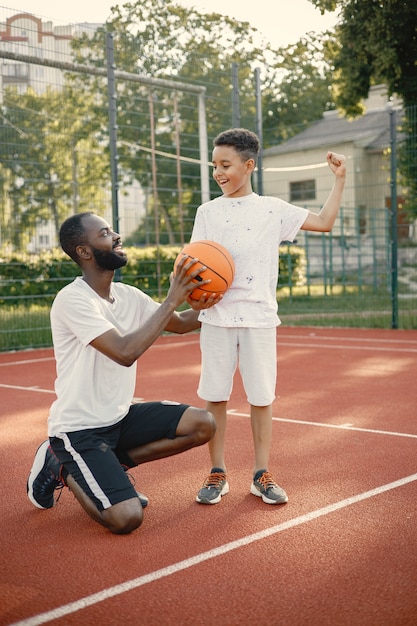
(244, 141)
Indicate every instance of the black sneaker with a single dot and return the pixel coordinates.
(144, 500)
(44, 477)
(266, 488)
(214, 487)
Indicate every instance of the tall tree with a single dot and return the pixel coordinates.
(52, 164)
(376, 43)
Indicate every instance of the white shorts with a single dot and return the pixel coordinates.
(254, 350)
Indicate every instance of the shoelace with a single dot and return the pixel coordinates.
(59, 488)
(215, 479)
(267, 481)
(48, 482)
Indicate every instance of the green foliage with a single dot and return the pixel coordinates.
(164, 40)
(292, 266)
(25, 279)
(51, 164)
(160, 39)
(375, 43)
(407, 158)
(54, 146)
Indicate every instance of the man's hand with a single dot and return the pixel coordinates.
(205, 302)
(182, 283)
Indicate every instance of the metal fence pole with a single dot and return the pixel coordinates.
(235, 96)
(112, 99)
(394, 229)
(259, 129)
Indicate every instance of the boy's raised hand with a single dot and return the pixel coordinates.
(337, 163)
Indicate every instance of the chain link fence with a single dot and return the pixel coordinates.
(77, 133)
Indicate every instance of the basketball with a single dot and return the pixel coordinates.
(219, 262)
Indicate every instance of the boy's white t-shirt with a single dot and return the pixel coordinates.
(251, 228)
(92, 390)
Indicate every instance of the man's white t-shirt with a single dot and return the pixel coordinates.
(92, 390)
(251, 228)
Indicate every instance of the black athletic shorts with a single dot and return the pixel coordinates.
(97, 457)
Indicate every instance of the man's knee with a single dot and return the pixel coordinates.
(123, 518)
(204, 426)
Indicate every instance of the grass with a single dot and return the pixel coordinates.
(25, 326)
(345, 307)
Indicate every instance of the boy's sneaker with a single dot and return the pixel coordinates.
(215, 486)
(266, 488)
(44, 477)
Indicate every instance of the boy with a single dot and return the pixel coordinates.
(241, 328)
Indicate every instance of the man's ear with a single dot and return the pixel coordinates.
(83, 252)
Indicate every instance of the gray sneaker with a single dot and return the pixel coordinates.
(266, 488)
(215, 486)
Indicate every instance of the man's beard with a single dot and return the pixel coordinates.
(109, 260)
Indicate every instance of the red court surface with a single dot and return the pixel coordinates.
(342, 552)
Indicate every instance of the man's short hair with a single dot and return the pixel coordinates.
(72, 234)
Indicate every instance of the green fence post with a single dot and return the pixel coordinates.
(394, 233)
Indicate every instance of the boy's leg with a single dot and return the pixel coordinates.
(264, 484)
(259, 371)
(216, 381)
(216, 444)
(215, 485)
(261, 424)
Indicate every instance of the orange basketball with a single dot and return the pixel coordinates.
(219, 263)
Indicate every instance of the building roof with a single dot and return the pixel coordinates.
(371, 131)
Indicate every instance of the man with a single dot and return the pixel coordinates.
(100, 328)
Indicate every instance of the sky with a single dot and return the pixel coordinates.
(282, 22)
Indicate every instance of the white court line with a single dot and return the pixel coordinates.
(47, 358)
(312, 336)
(20, 388)
(343, 347)
(240, 414)
(337, 426)
(135, 583)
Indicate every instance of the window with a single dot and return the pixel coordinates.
(303, 190)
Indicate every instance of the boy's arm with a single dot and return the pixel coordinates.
(323, 221)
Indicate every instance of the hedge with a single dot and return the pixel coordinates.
(25, 278)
